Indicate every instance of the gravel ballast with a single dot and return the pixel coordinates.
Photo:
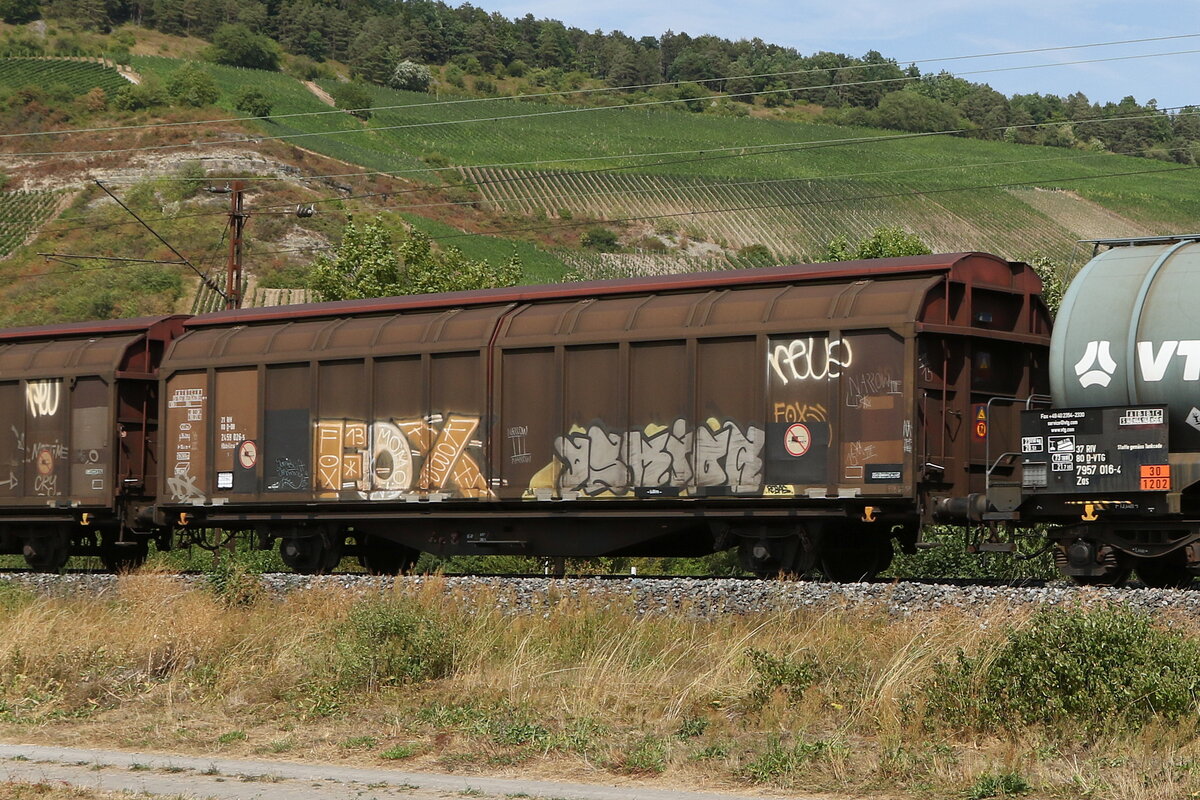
(693, 596)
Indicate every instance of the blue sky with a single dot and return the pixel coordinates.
(926, 29)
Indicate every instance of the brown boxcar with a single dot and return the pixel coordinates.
(78, 453)
(806, 413)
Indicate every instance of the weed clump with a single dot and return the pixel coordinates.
(775, 673)
(1100, 670)
(390, 643)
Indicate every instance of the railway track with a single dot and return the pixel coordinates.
(657, 595)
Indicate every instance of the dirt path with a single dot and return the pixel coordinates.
(151, 774)
(322, 95)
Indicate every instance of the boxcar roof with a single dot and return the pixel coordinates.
(798, 273)
(71, 330)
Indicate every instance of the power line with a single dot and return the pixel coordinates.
(557, 112)
(565, 93)
(790, 204)
(702, 156)
(754, 207)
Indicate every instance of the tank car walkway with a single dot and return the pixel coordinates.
(159, 775)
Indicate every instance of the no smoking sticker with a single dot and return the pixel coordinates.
(797, 439)
(247, 454)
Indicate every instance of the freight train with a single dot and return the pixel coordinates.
(813, 416)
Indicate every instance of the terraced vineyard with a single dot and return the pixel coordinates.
(20, 215)
(80, 76)
(787, 186)
(795, 219)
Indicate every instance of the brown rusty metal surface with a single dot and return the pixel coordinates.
(999, 275)
(801, 388)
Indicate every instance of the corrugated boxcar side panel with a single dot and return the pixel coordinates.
(399, 433)
(91, 431)
(658, 447)
(46, 438)
(530, 409)
(728, 430)
(455, 463)
(235, 458)
(12, 439)
(802, 440)
(287, 430)
(186, 436)
(341, 444)
(588, 450)
(876, 427)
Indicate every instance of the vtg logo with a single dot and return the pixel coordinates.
(1096, 354)
(1097, 366)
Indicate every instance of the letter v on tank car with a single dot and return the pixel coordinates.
(1114, 466)
(814, 416)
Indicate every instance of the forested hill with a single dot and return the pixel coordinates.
(477, 49)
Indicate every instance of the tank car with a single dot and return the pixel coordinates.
(811, 415)
(1115, 464)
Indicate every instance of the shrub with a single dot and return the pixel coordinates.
(391, 642)
(455, 76)
(410, 76)
(1006, 784)
(141, 96)
(600, 238)
(253, 102)
(191, 85)
(779, 672)
(1100, 670)
(353, 97)
(778, 762)
(647, 755)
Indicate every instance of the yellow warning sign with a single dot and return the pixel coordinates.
(980, 429)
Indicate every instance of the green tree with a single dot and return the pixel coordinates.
(1054, 281)
(354, 97)
(18, 12)
(911, 111)
(191, 85)
(410, 76)
(253, 102)
(366, 265)
(884, 242)
(238, 46)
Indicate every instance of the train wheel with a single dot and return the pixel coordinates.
(380, 556)
(47, 552)
(855, 554)
(313, 554)
(1165, 572)
(772, 556)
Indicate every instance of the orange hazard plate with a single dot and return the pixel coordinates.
(1155, 478)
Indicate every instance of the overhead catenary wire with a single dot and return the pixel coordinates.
(555, 112)
(632, 87)
(754, 207)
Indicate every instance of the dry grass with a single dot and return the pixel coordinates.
(580, 690)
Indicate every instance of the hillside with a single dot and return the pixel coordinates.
(683, 191)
